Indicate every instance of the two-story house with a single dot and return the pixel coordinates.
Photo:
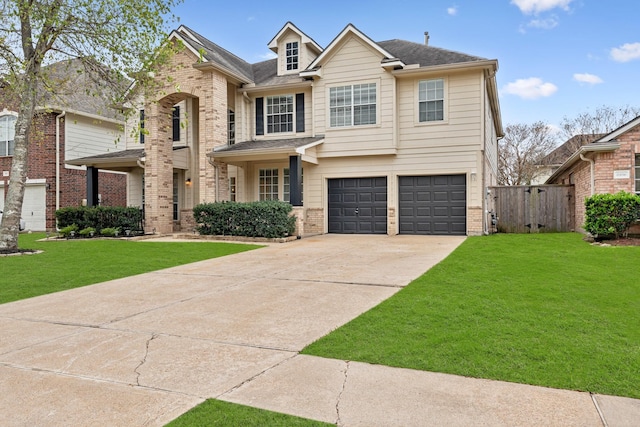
(391, 137)
(73, 120)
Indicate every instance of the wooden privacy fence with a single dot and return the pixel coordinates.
(534, 208)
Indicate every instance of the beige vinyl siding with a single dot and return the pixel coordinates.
(86, 137)
(353, 62)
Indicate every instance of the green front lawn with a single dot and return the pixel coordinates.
(70, 264)
(546, 309)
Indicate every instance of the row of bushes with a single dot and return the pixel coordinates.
(270, 219)
(99, 218)
(611, 215)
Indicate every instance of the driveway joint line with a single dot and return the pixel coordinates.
(600, 413)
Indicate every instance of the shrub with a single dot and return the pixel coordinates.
(69, 230)
(269, 219)
(99, 217)
(110, 232)
(609, 215)
(87, 232)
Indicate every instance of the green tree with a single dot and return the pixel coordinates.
(124, 35)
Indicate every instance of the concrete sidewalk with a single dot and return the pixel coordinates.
(142, 350)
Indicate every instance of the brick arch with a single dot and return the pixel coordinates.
(177, 81)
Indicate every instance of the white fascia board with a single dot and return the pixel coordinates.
(589, 148)
(622, 129)
(273, 44)
(80, 113)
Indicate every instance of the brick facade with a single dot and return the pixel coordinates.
(605, 164)
(41, 164)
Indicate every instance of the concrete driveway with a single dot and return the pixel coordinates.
(142, 350)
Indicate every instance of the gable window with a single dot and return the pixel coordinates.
(231, 127)
(268, 184)
(431, 100)
(141, 127)
(7, 135)
(637, 173)
(292, 56)
(280, 114)
(352, 105)
(175, 116)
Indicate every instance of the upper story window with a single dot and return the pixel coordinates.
(231, 127)
(352, 105)
(431, 100)
(7, 135)
(292, 56)
(637, 173)
(280, 114)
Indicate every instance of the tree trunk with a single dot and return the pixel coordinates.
(10, 225)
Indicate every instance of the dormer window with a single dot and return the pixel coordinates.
(292, 56)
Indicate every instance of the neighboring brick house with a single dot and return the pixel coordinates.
(609, 164)
(73, 125)
(552, 161)
(360, 137)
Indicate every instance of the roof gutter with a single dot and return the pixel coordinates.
(208, 66)
(470, 65)
(294, 85)
(590, 148)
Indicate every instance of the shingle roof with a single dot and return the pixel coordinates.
(213, 52)
(564, 151)
(268, 144)
(265, 73)
(424, 55)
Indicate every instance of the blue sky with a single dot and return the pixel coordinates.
(557, 58)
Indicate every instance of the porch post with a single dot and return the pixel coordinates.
(92, 186)
(295, 180)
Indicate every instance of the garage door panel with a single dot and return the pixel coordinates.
(34, 211)
(361, 206)
(437, 204)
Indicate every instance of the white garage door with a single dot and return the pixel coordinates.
(34, 211)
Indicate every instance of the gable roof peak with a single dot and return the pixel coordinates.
(289, 26)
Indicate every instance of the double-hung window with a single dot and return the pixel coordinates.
(292, 56)
(7, 135)
(431, 100)
(280, 114)
(231, 127)
(352, 105)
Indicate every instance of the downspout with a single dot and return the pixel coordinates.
(58, 117)
(593, 172)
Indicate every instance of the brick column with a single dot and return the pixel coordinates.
(158, 172)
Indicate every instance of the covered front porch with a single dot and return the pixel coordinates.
(270, 170)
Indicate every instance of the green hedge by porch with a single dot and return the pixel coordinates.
(101, 217)
(611, 215)
(270, 219)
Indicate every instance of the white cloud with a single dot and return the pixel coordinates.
(543, 24)
(587, 78)
(453, 10)
(537, 6)
(531, 88)
(626, 52)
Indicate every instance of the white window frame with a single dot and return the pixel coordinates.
(344, 100)
(7, 143)
(271, 113)
(292, 56)
(431, 95)
(233, 195)
(231, 127)
(267, 182)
